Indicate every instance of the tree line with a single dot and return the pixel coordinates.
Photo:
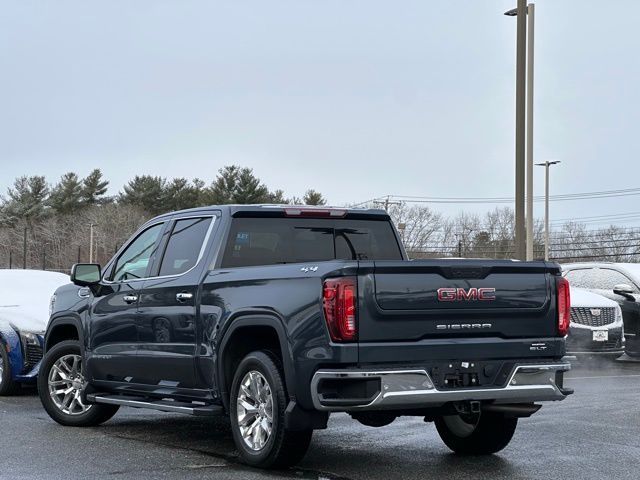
(45, 225)
(32, 197)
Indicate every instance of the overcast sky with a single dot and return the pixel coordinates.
(357, 99)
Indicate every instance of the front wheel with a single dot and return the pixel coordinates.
(257, 407)
(60, 384)
(476, 434)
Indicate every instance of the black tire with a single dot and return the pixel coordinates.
(283, 448)
(7, 385)
(95, 415)
(485, 434)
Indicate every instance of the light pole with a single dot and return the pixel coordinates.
(521, 78)
(546, 165)
(530, 44)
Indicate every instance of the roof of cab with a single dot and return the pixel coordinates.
(268, 210)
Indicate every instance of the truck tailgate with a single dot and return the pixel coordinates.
(418, 300)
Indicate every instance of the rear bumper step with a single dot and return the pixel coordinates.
(162, 405)
(408, 389)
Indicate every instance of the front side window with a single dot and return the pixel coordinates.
(134, 261)
(184, 245)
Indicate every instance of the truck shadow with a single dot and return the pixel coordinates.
(327, 458)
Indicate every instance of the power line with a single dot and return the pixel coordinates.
(595, 217)
(558, 197)
(583, 257)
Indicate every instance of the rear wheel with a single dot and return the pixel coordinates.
(60, 384)
(476, 434)
(257, 406)
(7, 385)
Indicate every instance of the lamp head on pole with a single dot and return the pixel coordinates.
(548, 164)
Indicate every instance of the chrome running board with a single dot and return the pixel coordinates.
(163, 405)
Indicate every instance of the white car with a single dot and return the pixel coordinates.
(24, 312)
(596, 325)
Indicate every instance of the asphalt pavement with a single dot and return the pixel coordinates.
(594, 434)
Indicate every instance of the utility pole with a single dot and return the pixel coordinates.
(521, 52)
(91, 225)
(530, 50)
(387, 202)
(462, 241)
(24, 249)
(546, 205)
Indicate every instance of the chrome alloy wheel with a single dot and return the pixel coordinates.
(66, 383)
(255, 410)
(1, 366)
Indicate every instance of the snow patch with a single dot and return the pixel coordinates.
(25, 296)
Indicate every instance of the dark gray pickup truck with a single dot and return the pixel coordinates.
(277, 316)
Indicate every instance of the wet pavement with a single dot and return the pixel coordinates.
(593, 434)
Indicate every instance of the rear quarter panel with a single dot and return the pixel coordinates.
(288, 295)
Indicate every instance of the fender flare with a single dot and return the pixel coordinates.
(9, 337)
(65, 320)
(261, 319)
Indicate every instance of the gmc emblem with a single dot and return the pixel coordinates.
(450, 294)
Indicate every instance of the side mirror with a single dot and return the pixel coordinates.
(624, 290)
(86, 274)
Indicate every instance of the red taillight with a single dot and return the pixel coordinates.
(339, 297)
(564, 306)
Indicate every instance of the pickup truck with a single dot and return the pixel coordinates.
(278, 316)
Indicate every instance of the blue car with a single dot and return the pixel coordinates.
(25, 296)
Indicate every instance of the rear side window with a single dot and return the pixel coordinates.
(184, 245)
(270, 241)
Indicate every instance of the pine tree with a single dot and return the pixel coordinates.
(249, 189)
(201, 192)
(26, 200)
(147, 192)
(181, 194)
(94, 188)
(277, 197)
(66, 196)
(222, 190)
(311, 197)
(237, 185)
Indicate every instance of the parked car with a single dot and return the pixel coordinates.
(278, 316)
(618, 282)
(24, 312)
(596, 325)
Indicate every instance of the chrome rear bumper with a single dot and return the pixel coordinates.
(409, 389)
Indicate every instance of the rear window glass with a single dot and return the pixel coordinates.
(270, 241)
(596, 278)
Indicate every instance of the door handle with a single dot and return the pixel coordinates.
(183, 296)
(130, 298)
